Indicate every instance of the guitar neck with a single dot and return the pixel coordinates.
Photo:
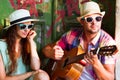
(104, 51)
(74, 59)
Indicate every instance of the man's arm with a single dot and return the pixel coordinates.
(103, 71)
(48, 50)
(53, 51)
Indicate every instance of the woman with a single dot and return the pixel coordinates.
(18, 55)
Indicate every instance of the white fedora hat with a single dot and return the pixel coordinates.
(20, 16)
(89, 8)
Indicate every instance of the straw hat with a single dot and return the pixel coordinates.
(20, 16)
(89, 8)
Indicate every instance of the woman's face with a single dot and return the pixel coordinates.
(23, 29)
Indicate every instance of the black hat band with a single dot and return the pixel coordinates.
(21, 19)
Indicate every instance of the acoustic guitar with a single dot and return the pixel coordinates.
(69, 68)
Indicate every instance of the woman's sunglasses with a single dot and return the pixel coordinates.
(90, 19)
(25, 26)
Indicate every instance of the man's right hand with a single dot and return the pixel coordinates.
(57, 52)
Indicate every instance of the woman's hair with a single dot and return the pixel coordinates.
(10, 37)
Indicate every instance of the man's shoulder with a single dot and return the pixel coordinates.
(76, 31)
(105, 34)
(106, 39)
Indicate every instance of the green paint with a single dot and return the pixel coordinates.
(5, 10)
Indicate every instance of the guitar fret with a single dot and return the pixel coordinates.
(97, 51)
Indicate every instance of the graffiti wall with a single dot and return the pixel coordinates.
(56, 16)
(40, 9)
(66, 12)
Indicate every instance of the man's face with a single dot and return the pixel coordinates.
(92, 23)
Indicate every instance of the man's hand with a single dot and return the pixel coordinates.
(58, 52)
(91, 58)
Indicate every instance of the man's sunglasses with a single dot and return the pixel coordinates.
(90, 19)
(25, 26)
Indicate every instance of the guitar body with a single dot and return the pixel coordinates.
(68, 68)
(69, 72)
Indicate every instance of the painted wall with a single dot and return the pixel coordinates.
(56, 16)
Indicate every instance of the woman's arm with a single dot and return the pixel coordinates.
(35, 60)
(3, 75)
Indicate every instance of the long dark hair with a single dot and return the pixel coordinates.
(10, 37)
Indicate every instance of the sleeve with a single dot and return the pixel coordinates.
(70, 39)
(107, 40)
(63, 41)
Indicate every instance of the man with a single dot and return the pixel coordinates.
(88, 37)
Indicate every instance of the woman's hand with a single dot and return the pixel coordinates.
(31, 35)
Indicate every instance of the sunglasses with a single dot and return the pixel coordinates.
(25, 26)
(90, 19)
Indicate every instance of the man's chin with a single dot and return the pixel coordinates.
(94, 31)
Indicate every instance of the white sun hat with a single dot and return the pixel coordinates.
(20, 16)
(89, 8)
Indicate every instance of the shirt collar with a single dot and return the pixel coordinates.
(93, 42)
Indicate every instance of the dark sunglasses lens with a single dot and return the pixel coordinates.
(89, 19)
(22, 26)
(98, 18)
(30, 26)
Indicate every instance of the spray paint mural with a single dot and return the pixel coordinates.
(56, 16)
(31, 4)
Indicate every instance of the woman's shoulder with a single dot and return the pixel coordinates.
(2, 43)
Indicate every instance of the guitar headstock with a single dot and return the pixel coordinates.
(105, 51)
